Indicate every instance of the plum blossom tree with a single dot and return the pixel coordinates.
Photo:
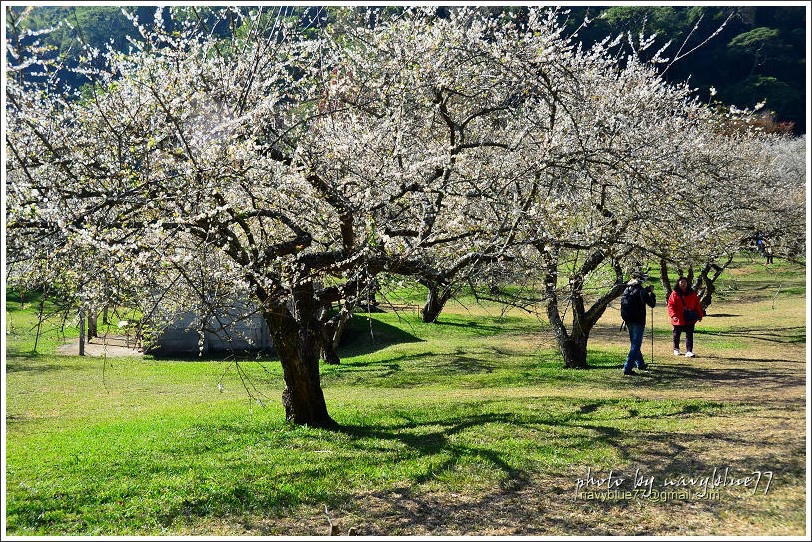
(621, 144)
(184, 153)
(296, 165)
(753, 182)
(781, 191)
(441, 106)
(192, 157)
(633, 170)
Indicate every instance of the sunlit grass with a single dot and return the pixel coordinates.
(476, 404)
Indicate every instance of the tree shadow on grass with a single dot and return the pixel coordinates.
(525, 504)
(362, 337)
(785, 335)
(31, 362)
(525, 497)
(440, 442)
(475, 328)
(408, 370)
(742, 378)
(435, 446)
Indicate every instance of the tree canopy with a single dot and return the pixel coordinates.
(294, 163)
(758, 54)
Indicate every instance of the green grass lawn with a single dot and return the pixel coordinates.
(468, 426)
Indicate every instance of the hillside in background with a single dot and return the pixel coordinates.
(759, 54)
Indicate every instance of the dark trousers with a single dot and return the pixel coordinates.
(689, 336)
(635, 357)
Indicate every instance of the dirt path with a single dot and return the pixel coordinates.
(111, 346)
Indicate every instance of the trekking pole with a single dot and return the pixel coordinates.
(652, 334)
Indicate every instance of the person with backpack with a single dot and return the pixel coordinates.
(685, 311)
(633, 311)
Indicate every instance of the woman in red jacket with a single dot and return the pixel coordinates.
(685, 311)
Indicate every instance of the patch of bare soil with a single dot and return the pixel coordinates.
(542, 507)
(109, 346)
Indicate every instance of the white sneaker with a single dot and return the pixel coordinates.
(676, 352)
(689, 354)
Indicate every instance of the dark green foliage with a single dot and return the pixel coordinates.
(73, 27)
(759, 55)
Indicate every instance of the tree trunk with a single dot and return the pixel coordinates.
(39, 319)
(435, 302)
(329, 355)
(299, 343)
(333, 330)
(664, 279)
(92, 325)
(709, 281)
(335, 338)
(574, 351)
(572, 347)
(81, 333)
(707, 295)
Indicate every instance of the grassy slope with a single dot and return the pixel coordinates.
(466, 427)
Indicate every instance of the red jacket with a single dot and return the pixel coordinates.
(678, 303)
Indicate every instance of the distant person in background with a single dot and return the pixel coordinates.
(685, 311)
(768, 253)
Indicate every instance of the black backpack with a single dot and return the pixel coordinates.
(632, 306)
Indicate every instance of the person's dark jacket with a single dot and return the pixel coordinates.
(636, 312)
